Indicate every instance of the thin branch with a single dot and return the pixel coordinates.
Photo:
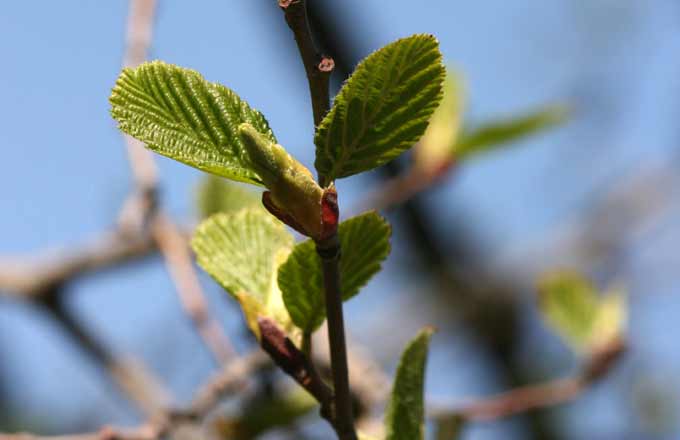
(329, 252)
(542, 395)
(178, 260)
(130, 376)
(317, 67)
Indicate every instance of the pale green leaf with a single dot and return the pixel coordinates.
(220, 195)
(364, 241)
(575, 309)
(404, 419)
(242, 251)
(382, 110)
(178, 114)
(493, 135)
(434, 148)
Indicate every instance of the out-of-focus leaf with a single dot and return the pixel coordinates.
(266, 413)
(574, 308)
(243, 251)
(179, 114)
(382, 110)
(364, 241)
(220, 195)
(494, 135)
(405, 415)
(434, 148)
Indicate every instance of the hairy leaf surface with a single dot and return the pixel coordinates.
(382, 110)
(178, 114)
(242, 251)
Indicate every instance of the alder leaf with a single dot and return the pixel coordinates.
(242, 251)
(382, 110)
(178, 114)
(365, 243)
(216, 194)
(493, 135)
(582, 316)
(405, 416)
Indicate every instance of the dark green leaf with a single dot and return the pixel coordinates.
(365, 244)
(179, 114)
(382, 110)
(405, 415)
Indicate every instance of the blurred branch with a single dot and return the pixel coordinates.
(543, 395)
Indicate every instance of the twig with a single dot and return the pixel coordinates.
(131, 376)
(165, 233)
(298, 366)
(317, 67)
(329, 252)
(178, 260)
(541, 395)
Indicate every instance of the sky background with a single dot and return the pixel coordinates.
(64, 175)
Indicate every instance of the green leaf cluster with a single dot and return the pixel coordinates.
(586, 318)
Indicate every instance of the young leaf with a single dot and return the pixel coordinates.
(575, 309)
(493, 135)
(219, 195)
(364, 241)
(382, 110)
(405, 415)
(242, 251)
(179, 114)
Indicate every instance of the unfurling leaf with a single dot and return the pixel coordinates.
(404, 419)
(294, 196)
(179, 114)
(434, 149)
(364, 241)
(382, 110)
(242, 251)
(220, 195)
(493, 135)
(574, 308)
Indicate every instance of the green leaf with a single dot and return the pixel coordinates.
(242, 251)
(364, 241)
(575, 309)
(179, 114)
(219, 195)
(493, 135)
(434, 148)
(382, 110)
(404, 419)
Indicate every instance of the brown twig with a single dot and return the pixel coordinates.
(541, 395)
(317, 67)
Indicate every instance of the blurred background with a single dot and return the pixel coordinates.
(597, 193)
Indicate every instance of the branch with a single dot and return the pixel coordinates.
(541, 395)
(329, 252)
(317, 67)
